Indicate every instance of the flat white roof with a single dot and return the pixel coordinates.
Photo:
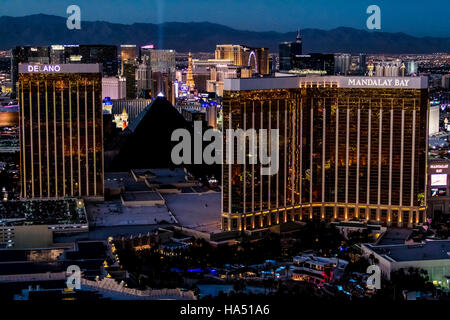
(290, 82)
(430, 250)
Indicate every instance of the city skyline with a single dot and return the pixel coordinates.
(198, 161)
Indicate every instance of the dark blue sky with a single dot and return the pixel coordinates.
(416, 17)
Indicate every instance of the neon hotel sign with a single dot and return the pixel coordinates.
(44, 68)
(388, 82)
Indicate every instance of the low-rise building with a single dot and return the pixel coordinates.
(431, 256)
(317, 270)
(32, 223)
(347, 227)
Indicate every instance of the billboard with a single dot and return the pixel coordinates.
(438, 192)
(439, 179)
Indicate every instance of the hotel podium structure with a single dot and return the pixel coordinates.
(61, 131)
(349, 149)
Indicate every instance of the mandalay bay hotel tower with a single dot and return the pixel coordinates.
(61, 131)
(350, 148)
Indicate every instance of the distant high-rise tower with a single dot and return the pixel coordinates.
(129, 73)
(362, 63)
(284, 51)
(128, 54)
(94, 53)
(190, 77)
(39, 55)
(257, 58)
(288, 51)
(411, 67)
(342, 63)
(297, 46)
(61, 131)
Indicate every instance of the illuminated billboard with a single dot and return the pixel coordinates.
(438, 192)
(439, 179)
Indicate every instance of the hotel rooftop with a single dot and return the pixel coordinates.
(430, 250)
(42, 212)
(292, 82)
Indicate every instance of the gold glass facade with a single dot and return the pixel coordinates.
(257, 58)
(128, 52)
(344, 153)
(61, 135)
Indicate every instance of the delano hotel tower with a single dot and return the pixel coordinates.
(349, 148)
(61, 131)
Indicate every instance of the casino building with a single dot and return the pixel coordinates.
(349, 148)
(61, 131)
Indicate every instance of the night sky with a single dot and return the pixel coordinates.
(415, 17)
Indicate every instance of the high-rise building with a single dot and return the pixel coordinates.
(159, 60)
(412, 67)
(143, 78)
(128, 54)
(284, 50)
(362, 63)
(349, 148)
(113, 88)
(40, 55)
(57, 55)
(258, 58)
(129, 73)
(162, 85)
(388, 68)
(220, 72)
(274, 62)
(445, 81)
(342, 63)
(288, 51)
(144, 53)
(94, 53)
(314, 63)
(158, 66)
(297, 46)
(231, 52)
(61, 131)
